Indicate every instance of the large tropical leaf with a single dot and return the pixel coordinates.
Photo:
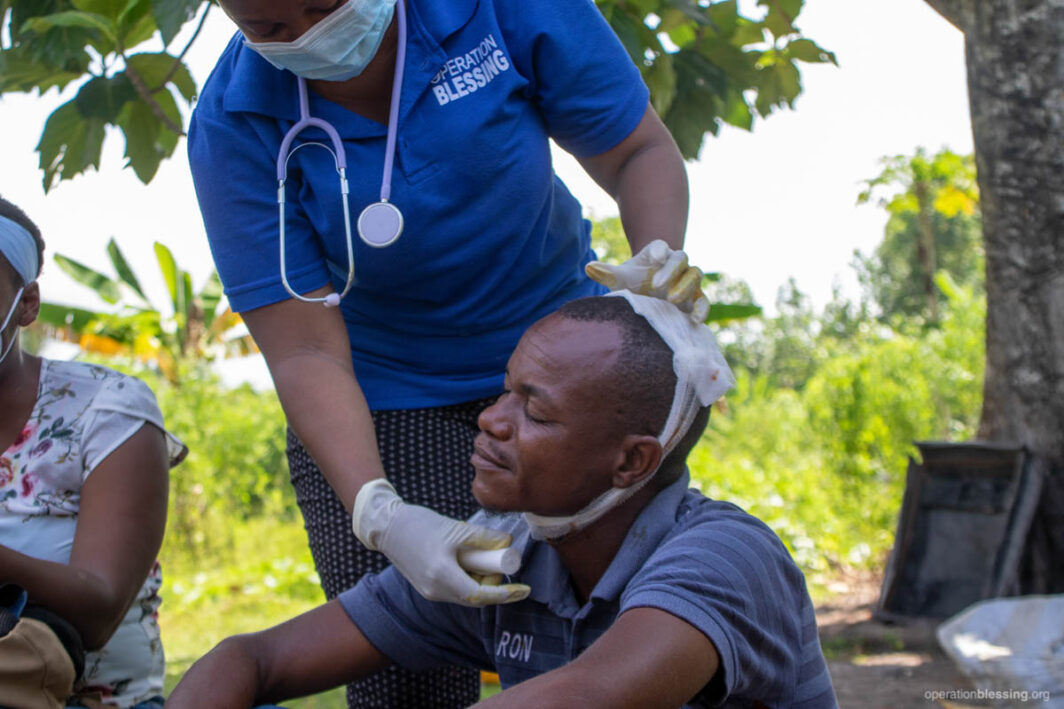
(102, 285)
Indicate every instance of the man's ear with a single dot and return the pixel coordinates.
(642, 455)
(30, 306)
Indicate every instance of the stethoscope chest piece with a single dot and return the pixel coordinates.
(380, 224)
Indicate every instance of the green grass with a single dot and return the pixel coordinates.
(267, 578)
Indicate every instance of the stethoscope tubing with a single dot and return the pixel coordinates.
(286, 151)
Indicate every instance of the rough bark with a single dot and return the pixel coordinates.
(1015, 57)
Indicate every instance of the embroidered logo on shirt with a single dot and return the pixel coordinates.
(516, 646)
(467, 73)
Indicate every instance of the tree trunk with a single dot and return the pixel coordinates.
(1015, 57)
(925, 247)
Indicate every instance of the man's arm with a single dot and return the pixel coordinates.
(310, 653)
(648, 658)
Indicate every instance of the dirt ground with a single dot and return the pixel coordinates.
(875, 665)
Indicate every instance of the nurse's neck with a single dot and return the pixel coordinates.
(369, 94)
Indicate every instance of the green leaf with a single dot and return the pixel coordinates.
(141, 128)
(724, 312)
(171, 275)
(59, 316)
(122, 268)
(807, 50)
(170, 15)
(660, 78)
(779, 84)
(737, 111)
(110, 9)
(725, 17)
(71, 18)
(630, 32)
(19, 71)
(698, 105)
(104, 286)
(69, 145)
(210, 296)
(137, 25)
(154, 68)
(692, 9)
(781, 15)
(104, 98)
(748, 33)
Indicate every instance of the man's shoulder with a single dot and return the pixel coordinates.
(708, 529)
(698, 514)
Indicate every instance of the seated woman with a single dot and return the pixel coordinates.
(84, 476)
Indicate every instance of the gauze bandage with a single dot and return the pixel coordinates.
(20, 249)
(702, 376)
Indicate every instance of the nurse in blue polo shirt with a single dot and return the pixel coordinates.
(392, 161)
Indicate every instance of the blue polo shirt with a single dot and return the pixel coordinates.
(493, 240)
(705, 562)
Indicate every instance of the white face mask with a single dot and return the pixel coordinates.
(339, 47)
(14, 335)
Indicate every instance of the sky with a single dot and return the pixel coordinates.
(766, 206)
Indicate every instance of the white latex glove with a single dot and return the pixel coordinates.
(660, 272)
(424, 546)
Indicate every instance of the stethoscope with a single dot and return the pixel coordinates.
(380, 223)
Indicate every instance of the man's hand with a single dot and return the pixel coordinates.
(660, 272)
(305, 655)
(424, 547)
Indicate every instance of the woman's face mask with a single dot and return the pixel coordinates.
(339, 47)
(3, 328)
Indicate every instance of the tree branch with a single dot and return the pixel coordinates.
(957, 12)
(181, 56)
(142, 90)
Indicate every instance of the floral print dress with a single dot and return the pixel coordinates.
(82, 414)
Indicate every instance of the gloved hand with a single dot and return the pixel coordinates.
(657, 271)
(424, 546)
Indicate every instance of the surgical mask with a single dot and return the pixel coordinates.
(339, 47)
(14, 335)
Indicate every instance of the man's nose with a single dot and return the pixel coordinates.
(494, 421)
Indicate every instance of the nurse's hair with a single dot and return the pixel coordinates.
(12, 212)
(642, 378)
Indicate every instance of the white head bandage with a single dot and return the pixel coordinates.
(20, 249)
(702, 376)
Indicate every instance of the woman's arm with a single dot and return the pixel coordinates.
(310, 653)
(307, 350)
(309, 356)
(120, 525)
(645, 174)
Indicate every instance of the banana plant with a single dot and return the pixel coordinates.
(197, 327)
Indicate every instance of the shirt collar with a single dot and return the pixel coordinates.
(256, 86)
(544, 571)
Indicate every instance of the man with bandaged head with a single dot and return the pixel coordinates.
(644, 593)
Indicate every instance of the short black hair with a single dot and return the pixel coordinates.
(643, 374)
(12, 212)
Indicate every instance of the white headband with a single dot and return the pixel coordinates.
(20, 249)
(702, 376)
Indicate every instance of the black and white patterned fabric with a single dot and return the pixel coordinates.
(425, 453)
